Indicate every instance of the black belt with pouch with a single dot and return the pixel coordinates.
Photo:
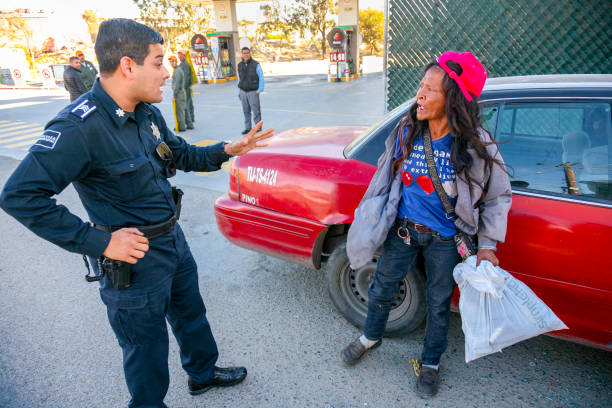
(119, 272)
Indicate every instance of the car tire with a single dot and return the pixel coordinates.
(348, 290)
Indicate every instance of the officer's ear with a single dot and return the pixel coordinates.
(127, 65)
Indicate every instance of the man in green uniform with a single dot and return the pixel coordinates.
(88, 70)
(180, 98)
(184, 65)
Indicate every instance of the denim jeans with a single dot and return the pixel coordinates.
(397, 259)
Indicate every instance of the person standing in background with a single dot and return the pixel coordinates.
(189, 112)
(180, 98)
(88, 70)
(251, 84)
(73, 80)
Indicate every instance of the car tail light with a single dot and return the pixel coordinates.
(234, 181)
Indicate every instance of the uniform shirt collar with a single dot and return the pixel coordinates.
(118, 115)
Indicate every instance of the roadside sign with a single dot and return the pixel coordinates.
(200, 59)
(5, 77)
(336, 37)
(199, 43)
(337, 57)
(47, 76)
(18, 77)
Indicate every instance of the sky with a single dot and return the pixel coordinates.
(127, 8)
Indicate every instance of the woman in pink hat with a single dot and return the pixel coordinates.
(408, 212)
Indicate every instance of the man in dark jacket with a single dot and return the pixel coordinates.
(251, 84)
(73, 80)
(88, 70)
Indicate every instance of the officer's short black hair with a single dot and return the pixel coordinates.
(74, 58)
(246, 48)
(122, 37)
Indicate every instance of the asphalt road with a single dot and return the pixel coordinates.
(57, 349)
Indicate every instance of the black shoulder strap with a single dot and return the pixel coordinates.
(435, 179)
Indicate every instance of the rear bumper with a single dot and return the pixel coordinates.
(295, 239)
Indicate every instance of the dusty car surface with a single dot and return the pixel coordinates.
(295, 200)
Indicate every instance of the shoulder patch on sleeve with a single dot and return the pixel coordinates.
(83, 109)
(48, 139)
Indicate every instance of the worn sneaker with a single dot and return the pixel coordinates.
(352, 353)
(428, 382)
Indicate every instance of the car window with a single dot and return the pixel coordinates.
(369, 146)
(559, 148)
(489, 115)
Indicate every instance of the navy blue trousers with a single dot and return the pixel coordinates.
(164, 287)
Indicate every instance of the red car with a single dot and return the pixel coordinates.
(295, 200)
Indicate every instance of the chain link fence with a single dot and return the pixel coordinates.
(520, 37)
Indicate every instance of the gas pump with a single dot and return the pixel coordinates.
(343, 54)
(200, 56)
(222, 61)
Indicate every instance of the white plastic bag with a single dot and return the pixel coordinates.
(498, 310)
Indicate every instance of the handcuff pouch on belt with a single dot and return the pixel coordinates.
(120, 272)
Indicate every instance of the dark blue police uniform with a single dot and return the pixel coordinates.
(110, 157)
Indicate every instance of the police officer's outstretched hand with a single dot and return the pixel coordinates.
(128, 245)
(249, 141)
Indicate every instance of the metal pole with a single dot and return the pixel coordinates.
(385, 57)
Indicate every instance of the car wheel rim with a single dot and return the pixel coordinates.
(356, 283)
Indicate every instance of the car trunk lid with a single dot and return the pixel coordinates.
(301, 171)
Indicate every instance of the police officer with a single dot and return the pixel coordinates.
(88, 70)
(251, 84)
(115, 147)
(184, 65)
(73, 79)
(180, 99)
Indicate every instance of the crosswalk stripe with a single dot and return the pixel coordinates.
(36, 128)
(27, 125)
(21, 104)
(26, 143)
(6, 123)
(14, 139)
(206, 142)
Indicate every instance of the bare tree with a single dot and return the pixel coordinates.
(317, 15)
(371, 27)
(278, 19)
(15, 31)
(93, 23)
(173, 18)
(244, 25)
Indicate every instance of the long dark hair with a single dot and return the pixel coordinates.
(464, 120)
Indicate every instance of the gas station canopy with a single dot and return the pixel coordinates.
(225, 42)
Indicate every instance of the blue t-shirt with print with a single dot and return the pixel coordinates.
(420, 202)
